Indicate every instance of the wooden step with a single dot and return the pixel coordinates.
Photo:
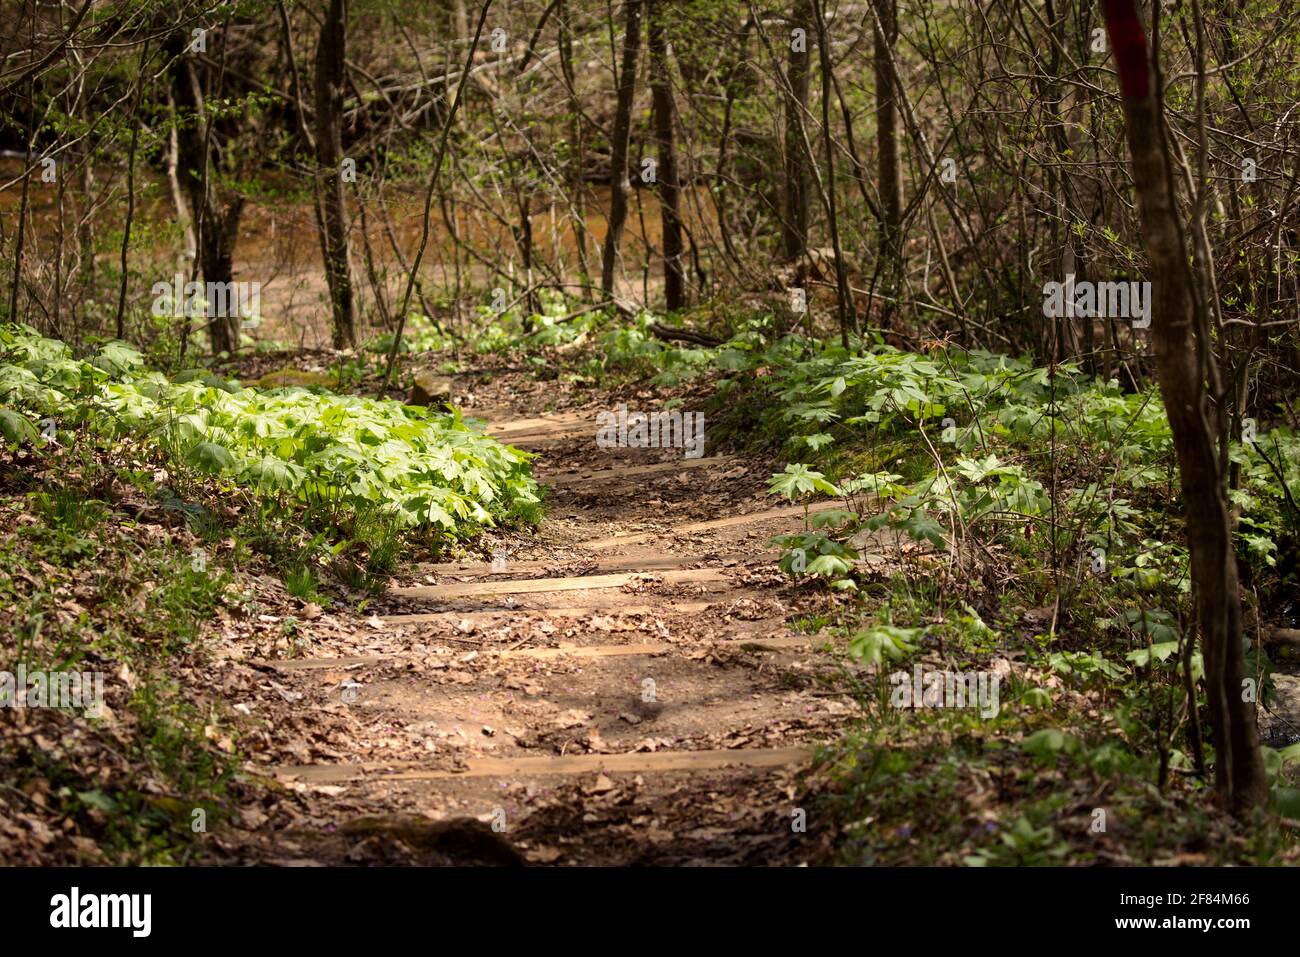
(559, 611)
(634, 763)
(530, 586)
(544, 438)
(779, 643)
(753, 518)
(556, 431)
(320, 664)
(656, 648)
(541, 423)
(675, 467)
(616, 563)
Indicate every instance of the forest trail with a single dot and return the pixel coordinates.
(624, 688)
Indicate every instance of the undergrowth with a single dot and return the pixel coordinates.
(999, 515)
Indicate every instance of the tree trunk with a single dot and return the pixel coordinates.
(1182, 355)
(843, 295)
(331, 52)
(666, 174)
(172, 165)
(574, 166)
(794, 223)
(215, 227)
(889, 180)
(86, 223)
(619, 184)
(218, 254)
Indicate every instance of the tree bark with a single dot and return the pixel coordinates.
(1183, 356)
(888, 179)
(215, 226)
(666, 174)
(843, 295)
(619, 184)
(794, 223)
(331, 53)
(576, 161)
(119, 324)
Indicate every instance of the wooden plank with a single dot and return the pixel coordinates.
(785, 511)
(634, 471)
(752, 518)
(532, 586)
(543, 431)
(566, 430)
(320, 664)
(779, 643)
(535, 438)
(653, 648)
(627, 563)
(540, 422)
(634, 763)
(560, 611)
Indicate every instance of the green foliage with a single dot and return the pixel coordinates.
(884, 643)
(422, 468)
(798, 481)
(817, 554)
(632, 348)
(965, 445)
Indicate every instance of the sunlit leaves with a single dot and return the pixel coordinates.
(922, 527)
(799, 480)
(17, 428)
(884, 643)
(424, 468)
(270, 473)
(210, 457)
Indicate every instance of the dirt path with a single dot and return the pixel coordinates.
(624, 689)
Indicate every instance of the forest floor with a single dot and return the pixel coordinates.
(622, 687)
(632, 681)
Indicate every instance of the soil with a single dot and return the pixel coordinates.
(622, 687)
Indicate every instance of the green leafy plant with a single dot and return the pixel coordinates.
(330, 452)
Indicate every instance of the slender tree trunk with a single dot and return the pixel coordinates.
(20, 238)
(304, 128)
(888, 177)
(524, 242)
(461, 20)
(618, 184)
(843, 295)
(413, 273)
(373, 273)
(794, 222)
(1183, 356)
(331, 53)
(731, 87)
(666, 174)
(174, 183)
(85, 224)
(119, 324)
(576, 162)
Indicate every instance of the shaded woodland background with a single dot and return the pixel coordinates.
(923, 177)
